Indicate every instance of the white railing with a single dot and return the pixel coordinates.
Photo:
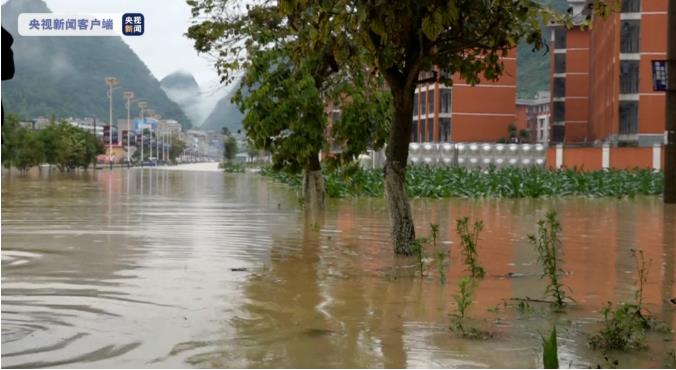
(475, 155)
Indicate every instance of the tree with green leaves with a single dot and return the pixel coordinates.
(229, 149)
(286, 78)
(69, 147)
(176, 149)
(401, 39)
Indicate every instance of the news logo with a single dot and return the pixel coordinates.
(133, 24)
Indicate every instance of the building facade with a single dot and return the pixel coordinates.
(602, 77)
(533, 116)
(464, 113)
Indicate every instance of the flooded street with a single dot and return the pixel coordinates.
(165, 268)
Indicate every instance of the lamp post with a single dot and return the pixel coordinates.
(160, 132)
(128, 95)
(142, 106)
(150, 113)
(110, 81)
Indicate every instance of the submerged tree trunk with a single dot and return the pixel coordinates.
(313, 185)
(403, 232)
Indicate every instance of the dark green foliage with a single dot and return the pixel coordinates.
(64, 76)
(230, 148)
(548, 246)
(550, 355)
(63, 145)
(21, 147)
(469, 240)
(458, 182)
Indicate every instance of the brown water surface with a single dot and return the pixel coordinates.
(160, 268)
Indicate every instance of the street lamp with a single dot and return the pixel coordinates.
(150, 113)
(142, 106)
(160, 135)
(128, 95)
(110, 81)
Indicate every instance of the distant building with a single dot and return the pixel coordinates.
(602, 77)
(533, 115)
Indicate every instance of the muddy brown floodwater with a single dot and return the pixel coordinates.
(160, 268)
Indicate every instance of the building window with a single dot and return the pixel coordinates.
(559, 111)
(430, 130)
(415, 104)
(629, 76)
(445, 101)
(414, 132)
(631, 6)
(559, 37)
(444, 130)
(559, 87)
(430, 101)
(629, 36)
(628, 117)
(559, 63)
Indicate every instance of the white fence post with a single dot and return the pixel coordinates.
(657, 157)
(605, 156)
(559, 156)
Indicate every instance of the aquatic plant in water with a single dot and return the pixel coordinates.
(550, 355)
(547, 244)
(625, 327)
(469, 240)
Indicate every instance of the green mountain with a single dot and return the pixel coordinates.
(64, 76)
(532, 73)
(225, 114)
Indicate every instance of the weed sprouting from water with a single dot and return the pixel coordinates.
(463, 299)
(548, 245)
(434, 232)
(442, 261)
(468, 242)
(550, 355)
(625, 327)
(419, 252)
(467, 285)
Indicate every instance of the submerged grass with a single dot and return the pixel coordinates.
(459, 182)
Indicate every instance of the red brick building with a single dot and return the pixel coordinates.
(602, 77)
(464, 113)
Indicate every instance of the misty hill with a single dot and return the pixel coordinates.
(64, 76)
(182, 89)
(533, 67)
(225, 114)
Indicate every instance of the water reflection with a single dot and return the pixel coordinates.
(166, 268)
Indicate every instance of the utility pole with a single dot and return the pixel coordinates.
(129, 95)
(110, 81)
(670, 147)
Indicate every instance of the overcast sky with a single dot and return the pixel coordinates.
(163, 47)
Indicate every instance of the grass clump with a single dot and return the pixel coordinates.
(547, 244)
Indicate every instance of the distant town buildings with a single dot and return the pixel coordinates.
(533, 115)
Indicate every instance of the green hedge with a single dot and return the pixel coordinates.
(450, 182)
